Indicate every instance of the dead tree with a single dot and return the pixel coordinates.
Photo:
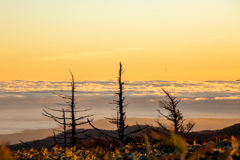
(174, 115)
(71, 120)
(121, 114)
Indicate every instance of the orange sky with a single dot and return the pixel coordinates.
(168, 40)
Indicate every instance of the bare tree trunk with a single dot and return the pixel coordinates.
(122, 125)
(64, 130)
(72, 112)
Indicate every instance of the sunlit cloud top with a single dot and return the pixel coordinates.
(183, 89)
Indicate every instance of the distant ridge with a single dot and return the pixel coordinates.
(233, 130)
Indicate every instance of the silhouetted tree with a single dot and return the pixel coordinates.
(121, 114)
(71, 121)
(174, 115)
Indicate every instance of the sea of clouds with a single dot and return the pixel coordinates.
(22, 101)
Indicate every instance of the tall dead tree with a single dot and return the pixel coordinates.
(72, 119)
(174, 115)
(121, 117)
(121, 114)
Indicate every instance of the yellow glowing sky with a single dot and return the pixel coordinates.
(154, 39)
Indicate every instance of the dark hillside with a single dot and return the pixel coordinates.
(49, 141)
(233, 130)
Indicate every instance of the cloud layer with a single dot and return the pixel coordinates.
(205, 90)
(22, 101)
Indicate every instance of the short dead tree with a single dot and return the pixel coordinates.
(71, 120)
(173, 115)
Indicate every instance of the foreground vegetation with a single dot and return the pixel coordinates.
(174, 148)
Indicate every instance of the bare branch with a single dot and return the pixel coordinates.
(51, 116)
(80, 118)
(26, 144)
(84, 110)
(135, 131)
(99, 129)
(82, 131)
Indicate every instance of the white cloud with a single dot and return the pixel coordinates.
(131, 49)
(230, 97)
(202, 99)
(218, 37)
